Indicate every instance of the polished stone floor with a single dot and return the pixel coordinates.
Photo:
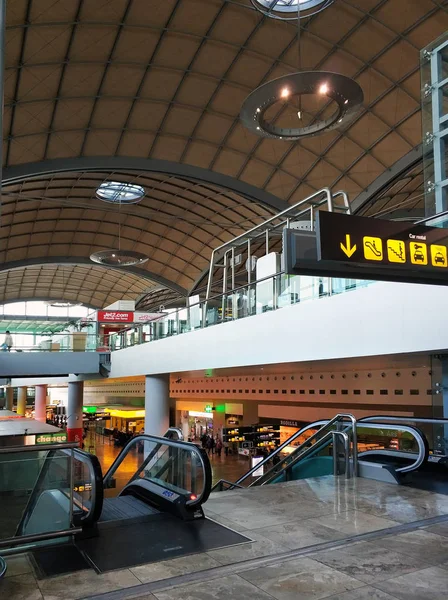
(312, 539)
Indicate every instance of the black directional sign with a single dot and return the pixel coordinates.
(366, 248)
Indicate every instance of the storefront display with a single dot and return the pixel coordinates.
(249, 441)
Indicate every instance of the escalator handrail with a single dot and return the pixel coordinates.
(277, 470)
(423, 420)
(97, 492)
(419, 436)
(325, 423)
(177, 431)
(163, 441)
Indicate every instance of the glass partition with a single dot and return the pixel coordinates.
(272, 293)
(35, 492)
(177, 466)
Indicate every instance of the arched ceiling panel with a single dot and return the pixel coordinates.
(165, 80)
(91, 285)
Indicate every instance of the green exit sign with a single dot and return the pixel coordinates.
(208, 408)
(51, 438)
(89, 409)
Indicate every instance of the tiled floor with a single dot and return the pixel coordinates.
(286, 519)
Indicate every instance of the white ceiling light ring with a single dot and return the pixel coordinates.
(286, 10)
(117, 192)
(118, 258)
(344, 91)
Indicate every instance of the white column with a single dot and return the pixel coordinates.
(74, 411)
(9, 391)
(157, 404)
(40, 403)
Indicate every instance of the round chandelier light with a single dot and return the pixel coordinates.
(277, 109)
(284, 9)
(116, 192)
(118, 258)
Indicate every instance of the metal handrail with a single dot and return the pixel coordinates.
(97, 491)
(262, 226)
(422, 443)
(159, 442)
(288, 442)
(274, 471)
(403, 419)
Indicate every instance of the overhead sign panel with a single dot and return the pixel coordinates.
(366, 248)
(366, 240)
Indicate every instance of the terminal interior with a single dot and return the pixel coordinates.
(223, 291)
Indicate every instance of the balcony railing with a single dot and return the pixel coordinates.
(272, 293)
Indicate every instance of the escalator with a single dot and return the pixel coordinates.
(147, 507)
(393, 452)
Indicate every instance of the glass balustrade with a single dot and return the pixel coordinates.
(35, 492)
(272, 293)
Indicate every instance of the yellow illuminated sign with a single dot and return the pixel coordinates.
(419, 253)
(396, 251)
(438, 256)
(373, 248)
(126, 414)
(347, 248)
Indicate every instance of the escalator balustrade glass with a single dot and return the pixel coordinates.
(178, 467)
(35, 492)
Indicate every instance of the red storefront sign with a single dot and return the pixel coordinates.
(115, 316)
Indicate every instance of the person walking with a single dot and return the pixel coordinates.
(218, 446)
(8, 342)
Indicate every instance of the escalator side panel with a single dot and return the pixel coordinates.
(163, 499)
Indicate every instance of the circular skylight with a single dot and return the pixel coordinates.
(283, 9)
(117, 192)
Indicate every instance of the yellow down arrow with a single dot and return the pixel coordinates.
(348, 249)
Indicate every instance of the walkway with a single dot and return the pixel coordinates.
(313, 539)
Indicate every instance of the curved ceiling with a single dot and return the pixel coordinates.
(165, 80)
(90, 285)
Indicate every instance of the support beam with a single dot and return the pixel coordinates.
(74, 411)
(21, 401)
(388, 178)
(9, 391)
(40, 403)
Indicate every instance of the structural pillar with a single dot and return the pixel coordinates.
(74, 411)
(40, 403)
(157, 404)
(9, 398)
(21, 401)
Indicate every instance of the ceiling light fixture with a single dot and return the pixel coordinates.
(332, 87)
(119, 257)
(116, 192)
(343, 91)
(282, 9)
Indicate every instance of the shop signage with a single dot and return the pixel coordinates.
(51, 438)
(115, 316)
(141, 317)
(89, 409)
(83, 487)
(260, 471)
(289, 423)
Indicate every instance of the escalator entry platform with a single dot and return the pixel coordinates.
(129, 544)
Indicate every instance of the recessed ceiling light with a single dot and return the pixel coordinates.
(323, 88)
(285, 93)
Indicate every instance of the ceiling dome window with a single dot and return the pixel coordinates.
(117, 192)
(283, 9)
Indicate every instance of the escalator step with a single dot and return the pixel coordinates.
(125, 507)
